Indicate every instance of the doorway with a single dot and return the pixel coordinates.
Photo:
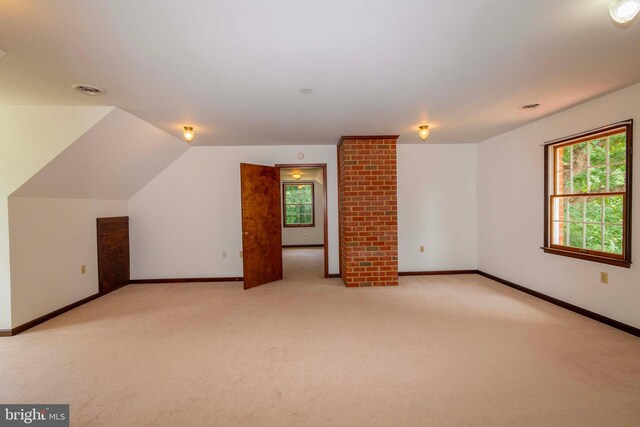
(304, 214)
(263, 219)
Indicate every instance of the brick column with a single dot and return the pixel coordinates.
(368, 210)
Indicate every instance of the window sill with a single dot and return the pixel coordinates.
(588, 257)
(298, 225)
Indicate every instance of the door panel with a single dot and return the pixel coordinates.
(113, 253)
(261, 224)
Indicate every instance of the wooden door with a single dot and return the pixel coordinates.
(261, 224)
(113, 253)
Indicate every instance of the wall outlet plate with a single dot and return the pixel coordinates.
(421, 248)
(604, 278)
(83, 269)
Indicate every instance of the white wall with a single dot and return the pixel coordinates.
(184, 219)
(510, 213)
(437, 207)
(308, 235)
(30, 137)
(50, 240)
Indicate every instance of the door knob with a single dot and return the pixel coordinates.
(246, 233)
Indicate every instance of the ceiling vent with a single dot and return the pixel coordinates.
(88, 89)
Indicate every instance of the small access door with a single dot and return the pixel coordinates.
(261, 224)
(113, 253)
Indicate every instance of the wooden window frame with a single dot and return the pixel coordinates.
(284, 204)
(623, 260)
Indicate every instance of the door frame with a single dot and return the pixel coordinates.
(322, 166)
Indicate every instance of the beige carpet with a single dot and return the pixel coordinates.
(439, 350)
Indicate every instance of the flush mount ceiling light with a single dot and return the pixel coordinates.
(623, 11)
(188, 133)
(423, 132)
(306, 91)
(296, 175)
(529, 106)
(89, 90)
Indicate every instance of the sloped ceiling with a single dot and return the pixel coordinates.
(112, 161)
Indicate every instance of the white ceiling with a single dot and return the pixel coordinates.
(234, 68)
(112, 161)
(308, 174)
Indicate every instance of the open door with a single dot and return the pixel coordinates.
(113, 253)
(261, 224)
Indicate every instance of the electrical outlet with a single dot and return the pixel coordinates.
(604, 278)
(83, 269)
(421, 248)
(240, 254)
(224, 254)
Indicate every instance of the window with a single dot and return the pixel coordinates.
(588, 195)
(298, 204)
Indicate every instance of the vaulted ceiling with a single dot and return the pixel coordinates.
(234, 69)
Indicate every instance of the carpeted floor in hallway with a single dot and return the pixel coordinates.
(437, 350)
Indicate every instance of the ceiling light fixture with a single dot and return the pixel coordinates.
(296, 175)
(188, 133)
(529, 106)
(424, 132)
(89, 90)
(306, 91)
(623, 11)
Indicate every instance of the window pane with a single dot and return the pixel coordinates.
(594, 237)
(617, 178)
(613, 210)
(594, 209)
(613, 239)
(560, 209)
(576, 206)
(563, 181)
(308, 219)
(576, 230)
(559, 233)
(291, 210)
(580, 155)
(598, 152)
(580, 181)
(617, 148)
(598, 180)
(563, 158)
(305, 194)
(289, 192)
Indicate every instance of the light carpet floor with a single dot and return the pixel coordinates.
(438, 350)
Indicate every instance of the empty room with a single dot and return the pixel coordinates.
(319, 213)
